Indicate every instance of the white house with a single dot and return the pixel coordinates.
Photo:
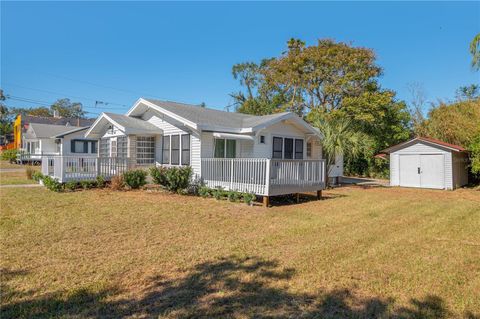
(268, 155)
(47, 139)
(428, 163)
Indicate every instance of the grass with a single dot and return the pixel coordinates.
(361, 253)
(14, 177)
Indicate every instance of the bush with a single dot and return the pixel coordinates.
(248, 198)
(37, 176)
(233, 196)
(9, 155)
(204, 191)
(52, 184)
(88, 184)
(219, 193)
(178, 178)
(159, 175)
(135, 178)
(71, 186)
(117, 183)
(29, 172)
(100, 181)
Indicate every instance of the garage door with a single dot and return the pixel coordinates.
(424, 170)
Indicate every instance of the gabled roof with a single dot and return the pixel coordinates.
(201, 118)
(426, 140)
(38, 130)
(127, 124)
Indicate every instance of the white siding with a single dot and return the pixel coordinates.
(460, 169)
(195, 150)
(420, 148)
(66, 144)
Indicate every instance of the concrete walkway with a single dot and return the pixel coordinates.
(365, 181)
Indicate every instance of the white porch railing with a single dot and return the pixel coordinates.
(263, 176)
(77, 168)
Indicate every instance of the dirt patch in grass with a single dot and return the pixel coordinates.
(362, 253)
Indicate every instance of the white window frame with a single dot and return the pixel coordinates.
(145, 160)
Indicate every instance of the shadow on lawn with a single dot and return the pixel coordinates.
(291, 199)
(230, 287)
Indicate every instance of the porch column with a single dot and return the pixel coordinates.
(132, 149)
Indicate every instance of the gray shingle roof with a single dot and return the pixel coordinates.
(48, 130)
(27, 119)
(132, 122)
(211, 117)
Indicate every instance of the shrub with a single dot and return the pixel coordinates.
(204, 191)
(233, 196)
(178, 178)
(219, 193)
(9, 155)
(29, 172)
(88, 184)
(37, 176)
(248, 198)
(117, 183)
(100, 181)
(71, 185)
(52, 184)
(135, 178)
(159, 175)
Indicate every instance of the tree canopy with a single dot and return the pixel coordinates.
(326, 81)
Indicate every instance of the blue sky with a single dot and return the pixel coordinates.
(118, 52)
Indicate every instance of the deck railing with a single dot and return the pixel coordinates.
(77, 168)
(264, 176)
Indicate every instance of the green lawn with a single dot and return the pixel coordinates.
(360, 253)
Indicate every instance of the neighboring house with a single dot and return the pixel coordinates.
(45, 139)
(231, 150)
(22, 122)
(428, 163)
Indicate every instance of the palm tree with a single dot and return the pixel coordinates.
(339, 138)
(475, 51)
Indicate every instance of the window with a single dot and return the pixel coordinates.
(122, 146)
(104, 147)
(231, 148)
(277, 147)
(219, 148)
(145, 150)
(225, 148)
(93, 146)
(262, 139)
(175, 149)
(185, 149)
(79, 146)
(166, 150)
(298, 149)
(113, 147)
(309, 149)
(288, 148)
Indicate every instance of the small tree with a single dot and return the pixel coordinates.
(339, 138)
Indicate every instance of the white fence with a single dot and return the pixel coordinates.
(263, 176)
(77, 168)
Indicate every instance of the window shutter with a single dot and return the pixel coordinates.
(72, 146)
(85, 147)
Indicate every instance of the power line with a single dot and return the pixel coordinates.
(102, 86)
(67, 95)
(48, 104)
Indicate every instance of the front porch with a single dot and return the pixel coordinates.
(260, 176)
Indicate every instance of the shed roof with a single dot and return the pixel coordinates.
(427, 140)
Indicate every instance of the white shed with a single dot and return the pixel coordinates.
(428, 163)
